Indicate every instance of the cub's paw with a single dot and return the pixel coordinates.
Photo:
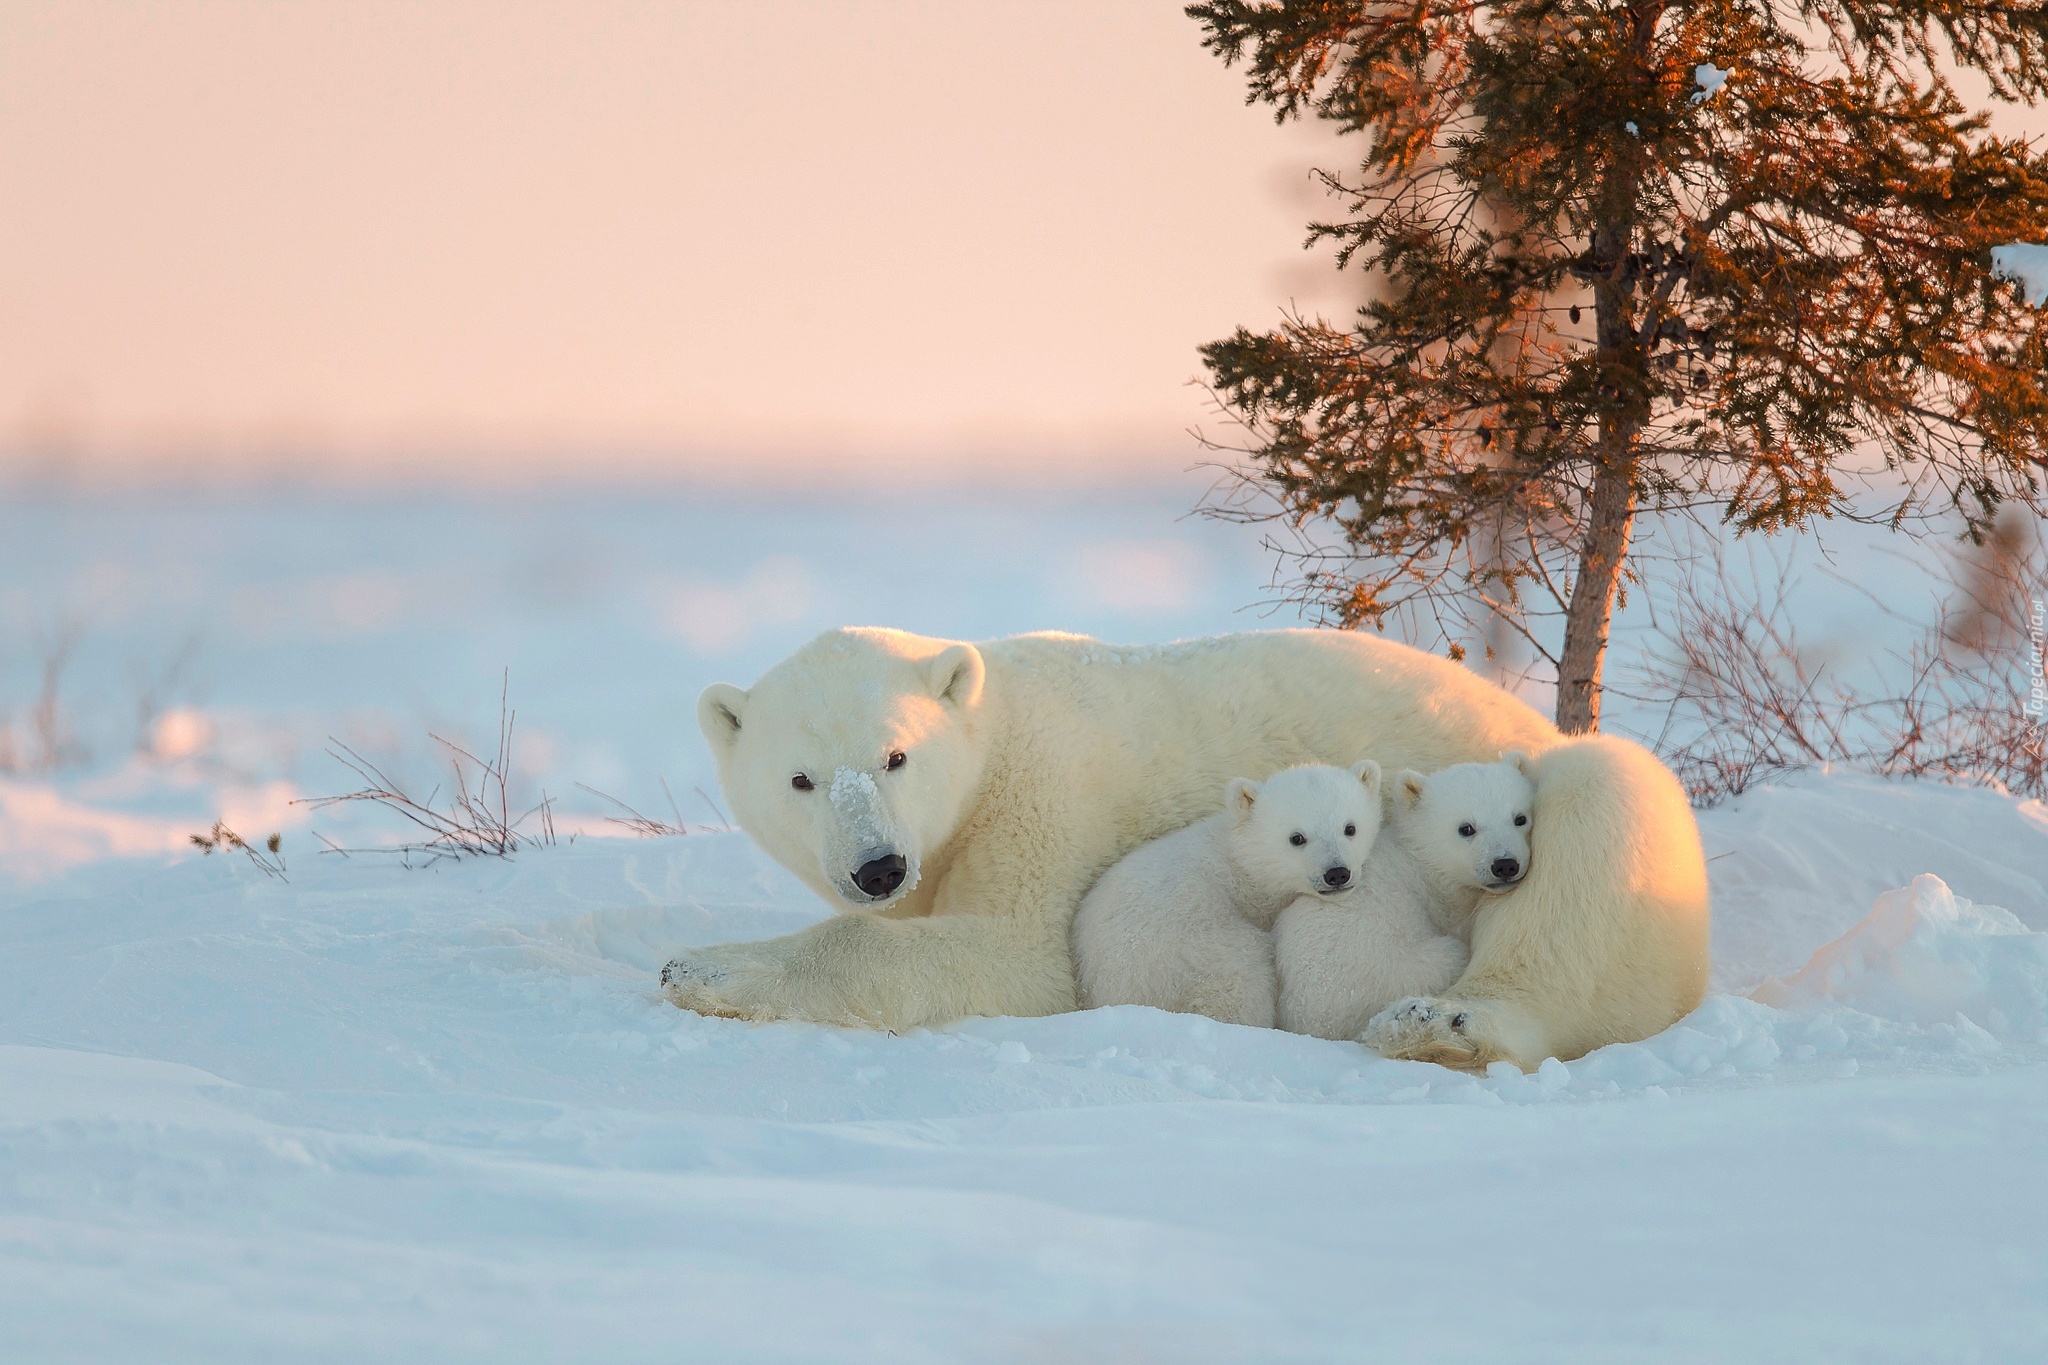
(1419, 1029)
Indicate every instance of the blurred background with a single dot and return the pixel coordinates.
(355, 357)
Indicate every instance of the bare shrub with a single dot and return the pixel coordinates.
(477, 818)
(1745, 699)
(45, 740)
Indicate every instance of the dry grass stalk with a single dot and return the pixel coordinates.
(269, 859)
(647, 827)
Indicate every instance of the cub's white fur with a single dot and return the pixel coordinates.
(1182, 922)
(1033, 764)
(1450, 838)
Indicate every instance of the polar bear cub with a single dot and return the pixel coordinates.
(1403, 929)
(1183, 922)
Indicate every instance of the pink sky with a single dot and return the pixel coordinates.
(731, 236)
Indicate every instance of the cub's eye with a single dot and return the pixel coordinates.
(1297, 839)
(1521, 819)
(1466, 831)
(896, 760)
(800, 782)
(1350, 830)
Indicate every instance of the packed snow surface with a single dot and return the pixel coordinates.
(443, 1114)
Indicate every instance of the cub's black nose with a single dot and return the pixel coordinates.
(879, 876)
(1506, 869)
(1336, 876)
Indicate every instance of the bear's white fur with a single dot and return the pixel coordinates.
(1449, 838)
(1032, 764)
(1182, 923)
(1613, 941)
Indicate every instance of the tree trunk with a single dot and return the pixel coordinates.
(1601, 554)
(1603, 544)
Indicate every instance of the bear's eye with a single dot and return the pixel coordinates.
(1297, 839)
(1521, 820)
(800, 782)
(1350, 830)
(1466, 831)
(896, 760)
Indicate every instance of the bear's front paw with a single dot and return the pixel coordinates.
(684, 972)
(703, 980)
(1423, 1030)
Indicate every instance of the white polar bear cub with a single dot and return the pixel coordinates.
(1183, 922)
(1402, 930)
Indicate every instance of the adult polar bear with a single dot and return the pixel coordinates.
(963, 798)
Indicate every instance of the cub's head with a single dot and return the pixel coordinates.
(1305, 829)
(1470, 824)
(852, 759)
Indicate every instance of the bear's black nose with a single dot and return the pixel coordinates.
(1506, 869)
(878, 877)
(1336, 876)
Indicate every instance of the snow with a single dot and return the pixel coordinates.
(2027, 263)
(442, 1113)
(415, 1114)
(852, 790)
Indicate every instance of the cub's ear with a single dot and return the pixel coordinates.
(1409, 786)
(719, 708)
(1368, 772)
(1520, 762)
(1239, 796)
(955, 675)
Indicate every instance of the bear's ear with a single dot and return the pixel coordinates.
(1368, 772)
(1519, 761)
(719, 708)
(955, 675)
(1240, 794)
(1409, 785)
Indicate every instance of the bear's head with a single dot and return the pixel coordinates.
(1305, 829)
(1470, 824)
(854, 758)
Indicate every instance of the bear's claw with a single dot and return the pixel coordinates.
(702, 987)
(683, 971)
(1422, 1030)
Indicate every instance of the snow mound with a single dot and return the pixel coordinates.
(1924, 956)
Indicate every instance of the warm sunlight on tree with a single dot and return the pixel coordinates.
(1708, 257)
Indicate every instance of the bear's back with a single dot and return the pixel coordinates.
(1143, 737)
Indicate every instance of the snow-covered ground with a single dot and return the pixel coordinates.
(440, 1113)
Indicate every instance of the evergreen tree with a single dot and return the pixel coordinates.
(1705, 256)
